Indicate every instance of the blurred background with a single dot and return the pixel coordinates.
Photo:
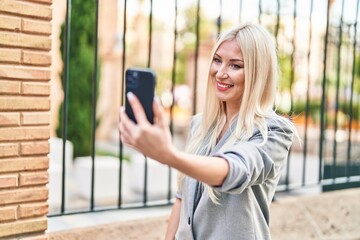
(94, 42)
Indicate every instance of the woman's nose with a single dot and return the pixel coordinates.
(222, 74)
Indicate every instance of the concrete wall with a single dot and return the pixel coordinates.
(25, 44)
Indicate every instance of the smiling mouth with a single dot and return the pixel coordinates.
(224, 85)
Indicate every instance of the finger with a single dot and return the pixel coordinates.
(137, 108)
(159, 113)
(124, 136)
(126, 125)
(122, 109)
(125, 119)
(123, 130)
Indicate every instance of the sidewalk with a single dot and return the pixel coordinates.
(331, 215)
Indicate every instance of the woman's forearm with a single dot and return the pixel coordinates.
(210, 170)
(173, 220)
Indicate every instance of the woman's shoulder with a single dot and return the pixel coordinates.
(196, 120)
(276, 121)
(197, 116)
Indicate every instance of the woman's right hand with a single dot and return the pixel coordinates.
(153, 140)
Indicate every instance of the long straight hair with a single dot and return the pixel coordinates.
(261, 71)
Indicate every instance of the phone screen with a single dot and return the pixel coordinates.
(141, 82)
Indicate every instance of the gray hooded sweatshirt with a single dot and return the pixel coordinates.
(245, 195)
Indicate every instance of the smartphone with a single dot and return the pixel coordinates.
(141, 82)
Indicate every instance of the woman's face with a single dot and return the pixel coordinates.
(227, 73)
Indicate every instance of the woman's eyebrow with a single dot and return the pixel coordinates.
(236, 60)
(232, 60)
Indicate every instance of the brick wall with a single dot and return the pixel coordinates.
(25, 29)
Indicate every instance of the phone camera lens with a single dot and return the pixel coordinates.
(132, 80)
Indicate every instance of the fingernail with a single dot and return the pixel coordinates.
(130, 95)
(122, 109)
(157, 99)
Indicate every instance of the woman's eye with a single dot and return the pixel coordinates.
(217, 60)
(235, 66)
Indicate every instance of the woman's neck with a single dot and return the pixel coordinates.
(230, 112)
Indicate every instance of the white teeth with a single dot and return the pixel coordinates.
(224, 86)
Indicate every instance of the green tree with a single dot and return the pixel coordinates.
(81, 70)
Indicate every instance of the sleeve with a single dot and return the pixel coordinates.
(252, 163)
(178, 194)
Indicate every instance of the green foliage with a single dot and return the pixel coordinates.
(345, 108)
(80, 83)
(285, 71)
(315, 110)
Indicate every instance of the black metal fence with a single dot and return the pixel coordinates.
(319, 87)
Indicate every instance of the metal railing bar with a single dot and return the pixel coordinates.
(307, 107)
(219, 19)
(150, 33)
(292, 77)
(173, 82)
(66, 101)
(323, 182)
(94, 98)
(348, 162)
(277, 26)
(122, 99)
(145, 180)
(338, 71)
(292, 58)
(323, 96)
(197, 43)
(260, 11)
(146, 168)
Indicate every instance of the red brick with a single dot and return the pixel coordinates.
(24, 40)
(25, 133)
(22, 227)
(23, 195)
(22, 103)
(23, 164)
(33, 178)
(34, 148)
(26, 73)
(36, 58)
(8, 181)
(9, 119)
(35, 118)
(26, 9)
(37, 27)
(9, 149)
(10, 23)
(41, 89)
(9, 87)
(8, 214)
(33, 210)
(10, 55)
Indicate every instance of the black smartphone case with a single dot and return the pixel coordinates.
(141, 82)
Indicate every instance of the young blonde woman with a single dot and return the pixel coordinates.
(237, 145)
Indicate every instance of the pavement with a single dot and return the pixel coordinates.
(327, 216)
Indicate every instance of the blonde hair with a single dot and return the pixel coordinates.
(261, 75)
